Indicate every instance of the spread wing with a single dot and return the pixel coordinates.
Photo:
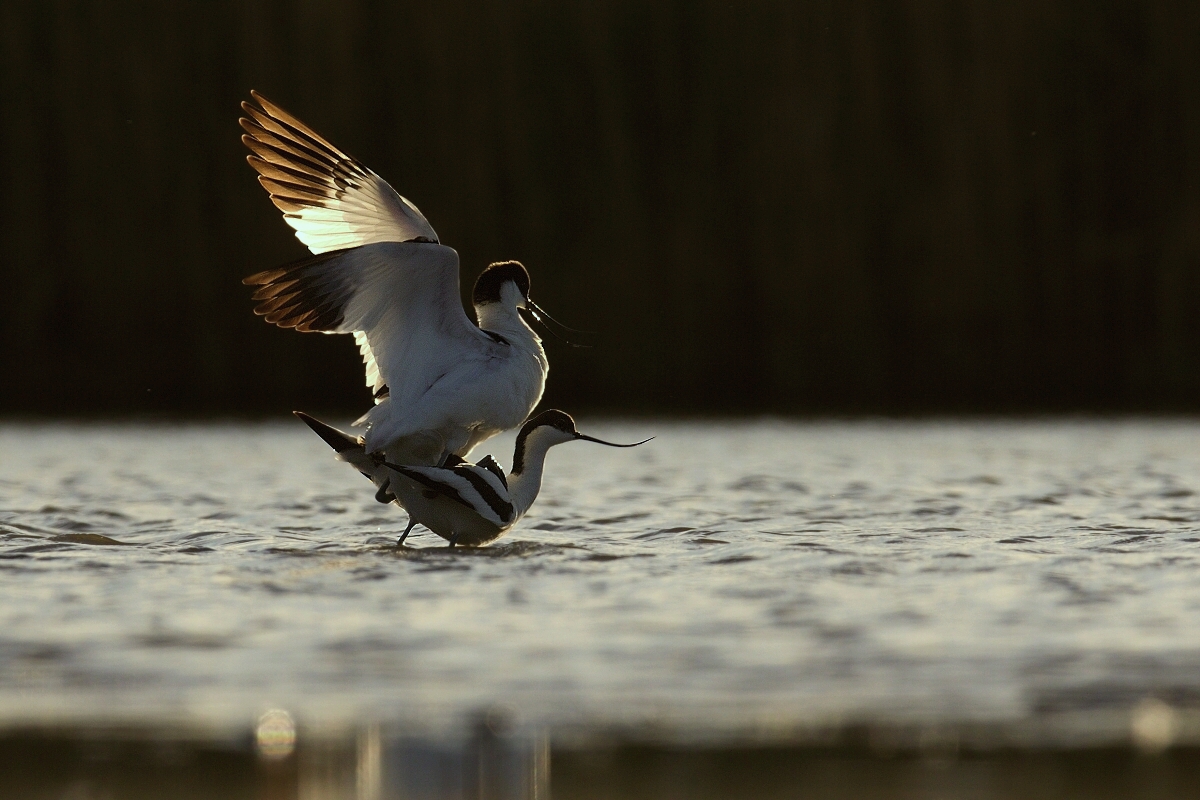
(400, 298)
(331, 200)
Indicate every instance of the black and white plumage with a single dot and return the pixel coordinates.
(441, 383)
(466, 504)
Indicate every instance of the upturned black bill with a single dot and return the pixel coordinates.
(610, 444)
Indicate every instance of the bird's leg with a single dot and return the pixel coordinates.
(411, 524)
(454, 540)
(383, 495)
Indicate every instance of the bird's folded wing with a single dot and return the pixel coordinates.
(331, 200)
(489, 463)
(400, 300)
(467, 485)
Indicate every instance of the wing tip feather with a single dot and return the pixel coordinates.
(356, 196)
(264, 277)
(287, 206)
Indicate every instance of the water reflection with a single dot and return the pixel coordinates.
(1152, 725)
(275, 735)
(739, 577)
(496, 762)
(493, 762)
(1014, 600)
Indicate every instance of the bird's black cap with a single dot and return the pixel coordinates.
(552, 417)
(487, 285)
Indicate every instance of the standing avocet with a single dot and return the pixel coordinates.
(467, 504)
(441, 384)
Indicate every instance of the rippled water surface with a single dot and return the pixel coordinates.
(744, 578)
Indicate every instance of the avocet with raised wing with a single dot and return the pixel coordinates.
(442, 384)
(464, 503)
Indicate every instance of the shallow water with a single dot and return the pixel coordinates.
(1030, 582)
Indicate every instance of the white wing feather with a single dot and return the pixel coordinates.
(329, 199)
(374, 379)
(399, 299)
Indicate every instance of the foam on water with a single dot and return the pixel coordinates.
(753, 578)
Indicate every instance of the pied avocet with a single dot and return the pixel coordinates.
(464, 503)
(441, 384)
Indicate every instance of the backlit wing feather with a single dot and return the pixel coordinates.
(400, 300)
(333, 203)
(331, 200)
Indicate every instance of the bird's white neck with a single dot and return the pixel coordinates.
(525, 479)
(502, 317)
(505, 320)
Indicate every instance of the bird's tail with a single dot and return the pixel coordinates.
(340, 442)
(348, 448)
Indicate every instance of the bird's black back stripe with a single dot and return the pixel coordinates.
(489, 463)
(502, 508)
(430, 483)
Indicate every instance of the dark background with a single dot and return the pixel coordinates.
(891, 206)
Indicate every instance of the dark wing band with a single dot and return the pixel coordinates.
(306, 295)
